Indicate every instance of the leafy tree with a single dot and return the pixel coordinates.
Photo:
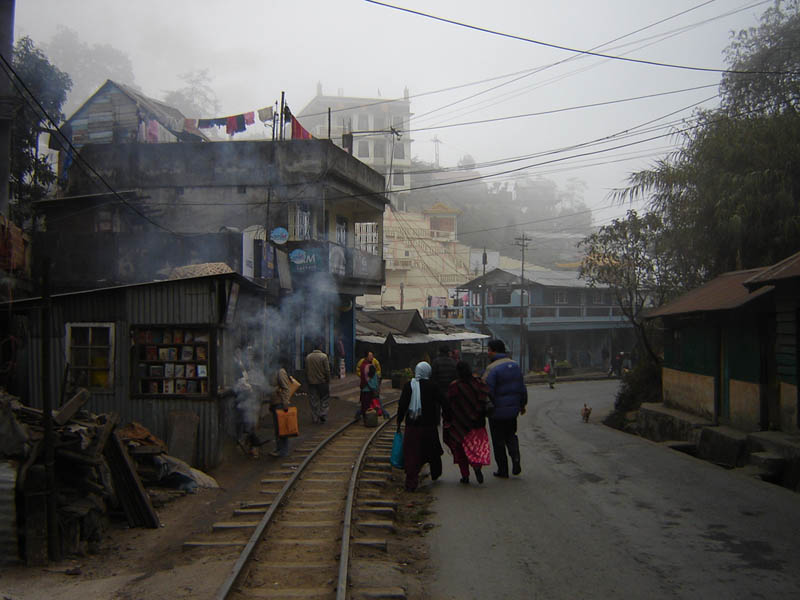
(88, 66)
(729, 198)
(195, 98)
(629, 257)
(31, 173)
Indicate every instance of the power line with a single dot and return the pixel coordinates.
(577, 50)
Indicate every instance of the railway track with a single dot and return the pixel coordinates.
(327, 507)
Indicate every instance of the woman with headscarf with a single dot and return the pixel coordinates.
(464, 415)
(419, 406)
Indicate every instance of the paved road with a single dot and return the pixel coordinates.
(602, 514)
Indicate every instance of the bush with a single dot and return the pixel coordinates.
(641, 384)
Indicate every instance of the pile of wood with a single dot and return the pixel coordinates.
(95, 477)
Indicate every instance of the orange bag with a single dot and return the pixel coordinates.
(287, 422)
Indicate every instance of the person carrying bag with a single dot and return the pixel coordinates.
(284, 387)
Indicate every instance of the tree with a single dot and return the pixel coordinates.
(729, 198)
(31, 173)
(628, 256)
(88, 66)
(196, 98)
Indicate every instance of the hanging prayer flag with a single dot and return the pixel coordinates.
(265, 114)
(298, 131)
(249, 118)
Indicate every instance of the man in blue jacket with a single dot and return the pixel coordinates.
(510, 396)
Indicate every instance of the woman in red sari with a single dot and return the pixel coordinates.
(464, 416)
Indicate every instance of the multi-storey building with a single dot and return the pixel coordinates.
(379, 128)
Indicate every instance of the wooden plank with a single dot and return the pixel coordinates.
(73, 405)
(129, 489)
(101, 438)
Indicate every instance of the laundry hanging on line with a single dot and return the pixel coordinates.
(234, 123)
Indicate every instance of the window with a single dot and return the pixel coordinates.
(363, 122)
(90, 353)
(367, 237)
(397, 122)
(380, 122)
(379, 149)
(341, 231)
(302, 223)
(597, 298)
(363, 149)
(399, 150)
(241, 189)
(398, 178)
(559, 297)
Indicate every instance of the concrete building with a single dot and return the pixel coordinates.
(287, 217)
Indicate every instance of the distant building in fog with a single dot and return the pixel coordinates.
(371, 121)
(424, 260)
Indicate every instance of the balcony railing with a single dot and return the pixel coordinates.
(314, 256)
(509, 314)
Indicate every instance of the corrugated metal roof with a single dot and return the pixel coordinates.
(725, 292)
(392, 321)
(539, 275)
(788, 268)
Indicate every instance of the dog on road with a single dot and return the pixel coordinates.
(586, 412)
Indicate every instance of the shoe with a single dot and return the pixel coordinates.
(323, 420)
(464, 480)
(501, 475)
(478, 474)
(517, 468)
(276, 454)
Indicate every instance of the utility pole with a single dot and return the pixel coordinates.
(522, 242)
(436, 141)
(483, 304)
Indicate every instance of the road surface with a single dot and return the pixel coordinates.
(598, 513)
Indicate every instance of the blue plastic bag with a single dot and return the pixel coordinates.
(397, 451)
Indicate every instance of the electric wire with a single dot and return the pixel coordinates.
(577, 50)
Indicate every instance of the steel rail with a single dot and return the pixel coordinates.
(227, 586)
(344, 554)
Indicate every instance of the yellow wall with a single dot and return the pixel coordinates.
(788, 408)
(745, 405)
(689, 392)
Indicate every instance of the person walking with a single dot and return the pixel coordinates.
(363, 370)
(510, 396)
(318, 375)
(464, 422)
(550, 363)
(280, 401)
(419, 406)
(339, 354)
(363, 364)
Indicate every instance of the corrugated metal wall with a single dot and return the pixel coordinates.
(184, 302)
(8, 514)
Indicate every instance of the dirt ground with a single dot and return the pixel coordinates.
(147, 564)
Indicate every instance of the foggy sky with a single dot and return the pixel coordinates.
(255, 49)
